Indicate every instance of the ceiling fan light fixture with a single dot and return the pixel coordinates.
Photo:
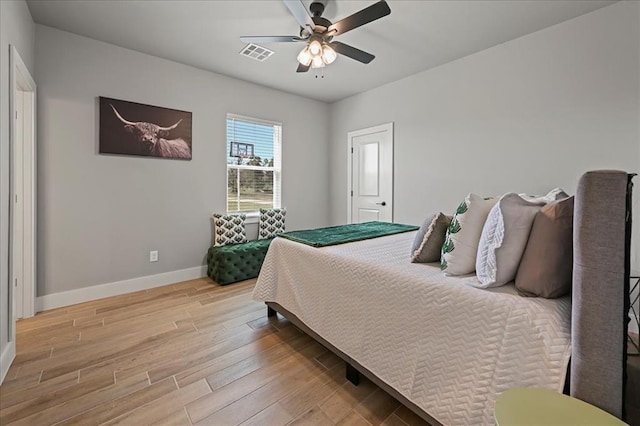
(328, 54)
(304, 57)
(315, 48)
(317, 62)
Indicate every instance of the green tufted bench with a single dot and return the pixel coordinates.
(236, 262)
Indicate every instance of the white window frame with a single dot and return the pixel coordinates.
(252, 216)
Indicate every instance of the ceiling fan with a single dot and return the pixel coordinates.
(318, 33)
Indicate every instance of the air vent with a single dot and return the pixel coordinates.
(256, 52)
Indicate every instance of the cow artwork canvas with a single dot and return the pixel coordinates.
(136, 129)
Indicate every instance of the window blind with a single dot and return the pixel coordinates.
(253, 164)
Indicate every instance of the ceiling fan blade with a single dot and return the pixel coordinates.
(352, 52)
(269, 39)
(303, 68)
(299, 11)
(358, 19)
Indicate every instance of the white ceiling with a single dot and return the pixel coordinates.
(418, 35)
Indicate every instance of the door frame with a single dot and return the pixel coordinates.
(388, 127)
(20, 79)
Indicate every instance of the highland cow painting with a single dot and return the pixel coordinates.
(130, 128)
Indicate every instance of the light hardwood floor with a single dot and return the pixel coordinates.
(187, 353)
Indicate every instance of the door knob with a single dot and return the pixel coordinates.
(382, 203)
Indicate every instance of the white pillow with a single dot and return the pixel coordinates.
(504, 238)
(463, 235)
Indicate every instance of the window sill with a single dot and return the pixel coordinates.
(251, 217)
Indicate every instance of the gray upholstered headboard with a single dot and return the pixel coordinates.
(601, 244)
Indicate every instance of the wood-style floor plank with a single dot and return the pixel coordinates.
(116, 407)
(274, 415)
(263, 358)
(314, 416)
(84, 402)
(353, 419)
(156, 411)
(226, 396)
(36, 405)
(346, 398)
(183, 354)
(36, 390)
(318, 390)
(377, 407)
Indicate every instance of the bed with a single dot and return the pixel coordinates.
(446, 349)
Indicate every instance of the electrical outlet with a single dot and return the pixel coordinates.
(153, 256)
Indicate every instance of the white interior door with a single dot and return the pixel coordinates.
(22, 215)
(18, 206)
(22, 204)
(371, 174)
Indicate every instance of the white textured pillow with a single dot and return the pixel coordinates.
(504, 238)
(463, 235)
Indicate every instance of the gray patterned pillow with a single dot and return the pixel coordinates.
(271, 223)
(229, 229)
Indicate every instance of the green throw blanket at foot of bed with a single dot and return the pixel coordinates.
(341, 234)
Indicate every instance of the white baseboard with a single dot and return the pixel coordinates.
(6, 359)
(71, 297)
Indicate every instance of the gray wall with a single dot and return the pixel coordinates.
(99, 215)
(16, 28)
(525, 116)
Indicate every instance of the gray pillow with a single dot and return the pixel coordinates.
(429, 239)
(546, 266)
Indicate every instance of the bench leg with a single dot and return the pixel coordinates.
(271, 312)
(353, 375)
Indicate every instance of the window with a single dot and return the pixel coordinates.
(253, 164)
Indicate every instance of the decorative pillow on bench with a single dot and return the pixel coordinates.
(271, 223)
(229, 229)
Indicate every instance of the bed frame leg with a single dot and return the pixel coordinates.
(271, 312)
(353, 375)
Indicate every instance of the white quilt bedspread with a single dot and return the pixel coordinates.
(448, 347)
